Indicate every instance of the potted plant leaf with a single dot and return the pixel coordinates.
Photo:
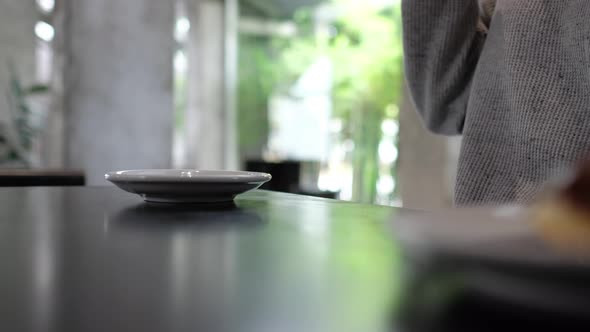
(20, 124)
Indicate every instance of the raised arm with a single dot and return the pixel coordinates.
(442, 46)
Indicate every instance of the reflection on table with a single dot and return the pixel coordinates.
(98, 259)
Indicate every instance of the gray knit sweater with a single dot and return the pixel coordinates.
(520, 96)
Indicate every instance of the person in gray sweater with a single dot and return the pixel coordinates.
(513, 78)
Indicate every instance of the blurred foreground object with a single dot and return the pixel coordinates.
(563, 216)
(501, 268)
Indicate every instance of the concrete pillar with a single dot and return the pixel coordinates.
(52, 143)
(118, 85)
(210, 118)
(427, 163)
(232, 17)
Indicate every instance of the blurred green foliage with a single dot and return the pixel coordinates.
(257, 79)
(364, 44)
(21, 128)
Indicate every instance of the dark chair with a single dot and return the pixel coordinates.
(41, 178)
(285, 174)
(286, 177)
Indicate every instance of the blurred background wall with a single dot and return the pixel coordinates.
(310, 90)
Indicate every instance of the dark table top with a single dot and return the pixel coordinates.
(99, 259)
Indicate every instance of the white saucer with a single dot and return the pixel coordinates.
(187, 185)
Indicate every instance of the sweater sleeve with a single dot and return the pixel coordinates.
(442, 46)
